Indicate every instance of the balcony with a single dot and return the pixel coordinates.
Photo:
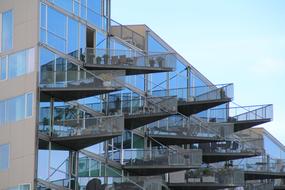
(229, 150)
(260, 169)
(137, 110)
(81, 133)
(178, 130)
(159, 161)
(243, 117)
(132, 61)
(193, 100)
(69, 90)
(206, 178)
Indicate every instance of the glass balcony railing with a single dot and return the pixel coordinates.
(134, 105)
(127, 35)
(178, 126)
(259, 186)
(222, 176)
(162, 157)
(130, 58)
(233, 145)
(199, 93)
(95, 126)
(262, 165)
(244, 113)
(85, 80)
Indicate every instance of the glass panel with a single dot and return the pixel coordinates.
(17, 64)
(95, 5)
(65, 4)
(2, 113)
(7, 30)
(4, 157)
(3, 67)
(56, 24)
(73, 35)
(60, 69)
(43, 15)
(29, 103)
(47, 62)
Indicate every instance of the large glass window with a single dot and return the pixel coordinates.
(17, 64)
(4, 157)
(15, 109)
(7, 30)
(73, 35)
(56, 25)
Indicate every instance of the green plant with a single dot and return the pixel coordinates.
(98, 60)
(207, 172)
(106, 58)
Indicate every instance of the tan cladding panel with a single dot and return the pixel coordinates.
(20, 137)
(25, 14)
(21, 134)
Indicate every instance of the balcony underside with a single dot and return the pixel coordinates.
(199, 186)
(281, 187)
(155, 169)
(259, 175)
(190, 108)
(180, 140)
(130, 70)
(81, 142)
(242, 125)
(219, 157)
(139, 120)
(74, 143)
(64, 94)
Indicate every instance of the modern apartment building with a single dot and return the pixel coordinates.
(88, 103)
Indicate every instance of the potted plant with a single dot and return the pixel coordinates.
(98, 60)
(192, 176)
(160, 61)
(208, 176)
(151, 62)
(106, 59)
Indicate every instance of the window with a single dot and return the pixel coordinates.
(15, 109)
(29, 105)
(3, 68)
(4, 157)
(21, 187)
(17, 64)
(7, 30)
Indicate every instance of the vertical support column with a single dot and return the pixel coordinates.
(51, 116)
(76, 184)
(188, 82)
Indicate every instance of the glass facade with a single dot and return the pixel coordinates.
(7, 30)
(16, 108)
(4, 157)
(274, 150)
(17, 64)
(93, 11)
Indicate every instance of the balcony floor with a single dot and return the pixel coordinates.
(259, 175)
(281, 187)
(74, 143)
(199, 186)
(130, 70)
(242, 125)
(179, 140)
(190, 108)
(156, 169)
(211, 157)
(71, 94)
(139, 120)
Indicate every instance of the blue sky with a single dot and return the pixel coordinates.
(228, 41)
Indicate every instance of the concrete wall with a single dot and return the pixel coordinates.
(21, 135)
